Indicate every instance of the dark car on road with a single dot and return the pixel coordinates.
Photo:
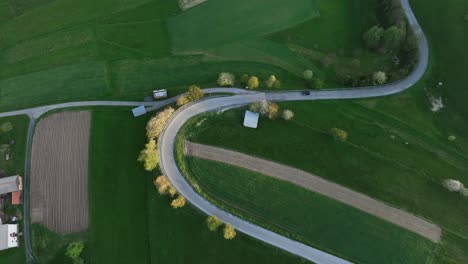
(305, 92)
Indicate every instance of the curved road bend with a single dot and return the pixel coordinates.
(243, 97)
(167, 139)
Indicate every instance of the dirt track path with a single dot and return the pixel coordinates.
(59, 172)
(314, 183)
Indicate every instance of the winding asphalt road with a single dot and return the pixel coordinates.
(167, 139)
(241, 97)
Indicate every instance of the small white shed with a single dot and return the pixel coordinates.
(8, 236)
(251, 119)
(138, 111)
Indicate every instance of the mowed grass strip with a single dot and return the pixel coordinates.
(132, 223)
(223, 21)
(132, 76)
(309, 217)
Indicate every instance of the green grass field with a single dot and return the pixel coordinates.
(56, 51)
(14, 166)
(340, 26)
(131, 223)
(309, 217)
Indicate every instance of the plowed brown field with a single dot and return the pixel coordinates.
(59, 172)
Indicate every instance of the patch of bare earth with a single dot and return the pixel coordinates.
(59, 172)
(314, 183)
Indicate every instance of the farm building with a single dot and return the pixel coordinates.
(13, 185)
(251, 119)
(139, 111)
(8, 236)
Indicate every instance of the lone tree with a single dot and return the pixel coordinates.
(317, 83)
(287, 114)
(213, 223)
(452, 185)
(182, 100)
(156, 124)
(149, 156)
(373, 36)
(265, 108)
(270, 82)
(193, 93)
(253, 83)
(273, 109)
(164, 186)
(178, 202)
(379, 78)
(339, 134)
(74, 251)
(229, 232)
(308, 75)
(226, 79)
(392, 37)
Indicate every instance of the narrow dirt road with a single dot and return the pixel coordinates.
(316, 184)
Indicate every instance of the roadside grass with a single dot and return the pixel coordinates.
(181, 236)
(136, 76)
(131, 223)
(307, 216)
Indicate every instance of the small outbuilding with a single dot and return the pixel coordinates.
(139, 111)
(8, 236)
(251, 119)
